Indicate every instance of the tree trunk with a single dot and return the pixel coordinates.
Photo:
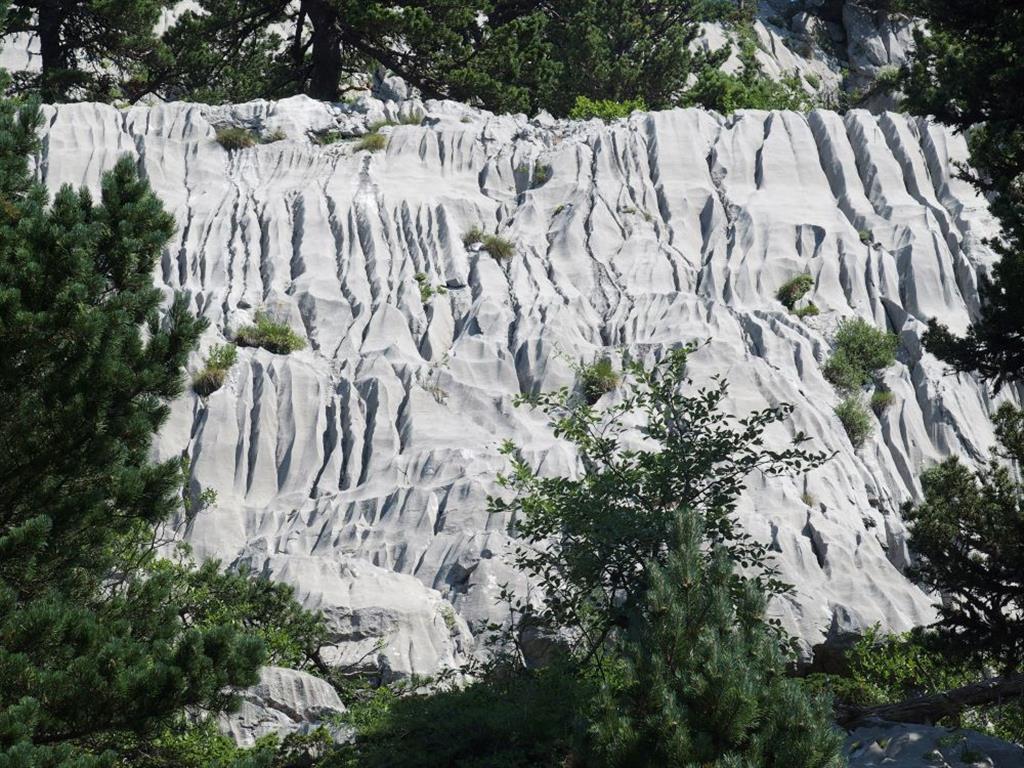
(325, 73)
(933, 707)
(54, 59)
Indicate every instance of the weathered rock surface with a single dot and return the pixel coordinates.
(359, 468)
(898, 745)
(285, 701)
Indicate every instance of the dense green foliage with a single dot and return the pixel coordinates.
(969, 533)
(103, 646)
(233, 138)
(272, 335)
(861, 352)
(94, 657)
(604, 109)
(590, 541)
(506, 55)
(703, 680)
(966, 71)
(598, 378)
(523, 720)
(90, 49)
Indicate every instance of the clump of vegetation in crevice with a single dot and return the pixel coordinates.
(881, 401)
(597, 379)
(274, 136)
(215, 369)
(793, 290)
(271, 335)
(427, 291)
(326, 138)
(855, 419)
(372, 142)
(233, 138)
(862, 351)
(473, 236)
(498, 247)
(808, 310)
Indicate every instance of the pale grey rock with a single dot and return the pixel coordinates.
(359, 468)
(284, 701)
(902, 745)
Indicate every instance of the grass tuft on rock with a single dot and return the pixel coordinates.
(234, 138)
(881, 401)
(498, 247)
(372, 142)
(269, 334)
(215, 369)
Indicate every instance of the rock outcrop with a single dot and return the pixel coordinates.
(359, 468)
(284, 701)
(896, 745)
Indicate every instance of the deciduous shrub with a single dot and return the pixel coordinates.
(793, 290)
(273, 336)
(861, 352)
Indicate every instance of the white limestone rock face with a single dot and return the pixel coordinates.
(284, 701)
(359, 468)
(904, 745)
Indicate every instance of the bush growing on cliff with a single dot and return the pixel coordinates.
(855, 420)
(861, 352)
(793, 290)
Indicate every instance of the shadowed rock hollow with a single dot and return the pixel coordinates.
(358, 468)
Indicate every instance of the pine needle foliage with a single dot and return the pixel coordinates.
(702, 678)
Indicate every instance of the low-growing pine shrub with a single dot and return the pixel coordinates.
(269, 334)
(326, 138)
(234, 138)
(855, 419)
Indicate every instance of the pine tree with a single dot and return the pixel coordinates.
(966, 71)
(89, 49)
(969, 534)
(702, 680)
(95, 660)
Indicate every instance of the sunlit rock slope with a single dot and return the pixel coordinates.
(358, 469)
